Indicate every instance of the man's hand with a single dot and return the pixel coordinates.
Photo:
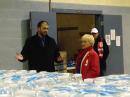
(59, 59)
(19, 57)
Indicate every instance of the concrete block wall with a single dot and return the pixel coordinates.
(126, 41)
(13, 16)
(120, 3)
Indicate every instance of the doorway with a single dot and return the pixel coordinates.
(70, 27)
(74, 23)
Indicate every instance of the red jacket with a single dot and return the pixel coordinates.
(89, 65)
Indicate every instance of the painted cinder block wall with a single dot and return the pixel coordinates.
(14, 13)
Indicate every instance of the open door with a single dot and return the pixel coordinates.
(115, 60)
(50, 17)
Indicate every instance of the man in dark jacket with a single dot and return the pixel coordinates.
(40, 50)
(102, 49)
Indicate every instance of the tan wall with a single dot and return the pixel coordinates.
(13, 29)
(121, 3)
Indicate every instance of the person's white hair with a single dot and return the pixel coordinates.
(89, 38)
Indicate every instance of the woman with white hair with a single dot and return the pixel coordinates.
(87, 60)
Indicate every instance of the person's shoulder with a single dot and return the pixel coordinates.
(50, 38)
(93, 52)
(31, 38)
(101, 38)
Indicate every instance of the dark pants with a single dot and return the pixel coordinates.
(39, 68)
(102, 72)
(102, 67)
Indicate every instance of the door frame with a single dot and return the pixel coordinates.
(98, 16)
(76, 11)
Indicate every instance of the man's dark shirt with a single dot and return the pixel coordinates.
(105, 53)
(40, 53)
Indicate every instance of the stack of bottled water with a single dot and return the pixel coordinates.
(22, 83)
